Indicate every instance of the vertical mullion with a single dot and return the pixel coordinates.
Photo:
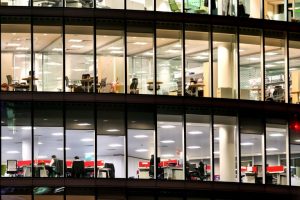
(96, 142)
(155, 142)
(31, 105)
(264, 156)
(32, 139)
(289, 171)
(32, 54)
(184, 144)
(238, 61)
(262, 8)
(211, 60)
(212, 149)
(183, 58)
(95, 55)
(239, 148)
(126, 139)
(155, 57)
(262, 53)
(64, 53)
(125, 54)
(64, 138)
(287, 67)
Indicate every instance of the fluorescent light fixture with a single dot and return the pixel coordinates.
(12, 152)
(78, 70)
(42, 157)
(200, 57)
(253, 59)
(17, 67)
(6, 138)
(140, 136)
(247, 144)
(241, 50)
(217, 152)
(60, 148)
(279, 62)
(204, 53)
(270, 65)
(193, 147)
(20, 56)
(26, 128)
(112, 130)
(167, 155)
(217, 138)
(116, 52)
(172, 51)
(22, 48)
(167, 126)
(297, 140)
(54, 64)
(75, 40)
(140, 43)
(167, 141)
(74, 46)
(195, 132)
(57, 134)
(87, 140)
(148, 54)
(141, 150)
(115, 145)
(271, 53)
(276, 135)
(57, 49)
(271, 149)
(13, 44)
(115, 48)
(40, 143)
(83, 124)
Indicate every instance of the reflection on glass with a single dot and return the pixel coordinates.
(110, 57)
(170, 147)
(198, 165)
(111, 141)
(16, 155)
(140, 4)
(224, 7)
(198, 6)
(169, 61)
(48, 3)
(80, 141)
(294, 73)
(249, 8)
(275, 10)
(169, 5)
(250, 64)
(79, 59)
(274, 66)
(197, 72)
(79, 4)
(225, 148)
(16, 58)
(140, 69)
(224, 63)
(276, 152)
(110, 4)
(48, 55)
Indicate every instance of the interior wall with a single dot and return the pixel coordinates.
(7, 66)
(133, 165)
(119, 164)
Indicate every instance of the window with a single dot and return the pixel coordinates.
(140, 4)
(79, 4)
(58, 3)
(249, 8)
(169, 6)
(275, 10)
(110, 4)
(294, 150)
(224, 7)
(15, 3)
(196, 6)
(294, 69)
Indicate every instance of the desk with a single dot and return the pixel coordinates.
(29, 79)
(150, 85)
(103, 170)
(297, 95)
(173, 173)
(196, 87)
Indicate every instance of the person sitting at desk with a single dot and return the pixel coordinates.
(52, 165)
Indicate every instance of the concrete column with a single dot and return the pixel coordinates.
(26, 149)
(227, 153)
(225, 65)
(255, 9)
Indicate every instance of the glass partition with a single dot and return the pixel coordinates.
(294, 68)
(112, 4)
(275, 66)
(275, 10)
(16, 72)
(169, 59)
(110, 56)
(16, 140)
(48, 57)
(224, 62)
(250, 64)
(79, 58)
(197, 67)
(140, 4)
(140, 59)
(169, 5)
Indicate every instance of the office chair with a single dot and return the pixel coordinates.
(173, 6)
(11, 167)
(9, 79)
(59, 168)
(133, 86)
(112, 169)
(78, 169)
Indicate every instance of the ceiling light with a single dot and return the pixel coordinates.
(60, 148)
(77, 46)
(279, 62)
(200, 57)
(167, 126)
(216, 152)
(22, 48)
(53, 63)
(112, 130)
(42, 157)
(26, 128)
(276, 135)
(271, 149)
(204, 53)
(141, 150)
(140, 136)
(193, 147)
(148, 54)
(241, 50)
(167, 155)
(195, 132)
(12, 152)
(20, 56)
(172, 51)
(254, 59)
(297, 140)
(6, 138)
(57, 49)
(217, 138)
(115, 145)
(13, 44)
(270, 65)
(116, 52)
(140, 43)
(87, 140)
(271, 53)
(78, 70)
(57, 134)
(84, 124)
(40, 143)
(167, 141)
(247, 144)
(75, 40)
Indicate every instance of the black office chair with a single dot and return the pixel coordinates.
(112, 169)
(78, 169)
(133, 86)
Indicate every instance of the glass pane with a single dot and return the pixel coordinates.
(294, 73)
(79, 4)
(15, 2)
(196, 6)
(48, 140)
(274, 66)
(294, 10)
(224, 7)
(276, 150)
(110, 57)
(197, 72)
(140, 4)
(169, 60)
(141, 142)
(294, 127)
(79, 58)
(170, 146)
(107, 4)
(111, 141)
(16, 140)
(48, 193)
(80, 140)
(140, 67)
(224, 62)
(16, 57)
(250, 8)
(274, 10)
(56, 3)
(48, 55)
(169, 6)
(198, 160)
(225, 148)
(250, 64)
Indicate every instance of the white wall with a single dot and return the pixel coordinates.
(119, 164)
(7, 66)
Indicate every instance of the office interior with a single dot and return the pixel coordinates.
(147, 142)
(96, 64)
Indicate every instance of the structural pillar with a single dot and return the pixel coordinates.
(26, 149)
(255, 9)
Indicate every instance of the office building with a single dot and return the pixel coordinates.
(150, 99)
